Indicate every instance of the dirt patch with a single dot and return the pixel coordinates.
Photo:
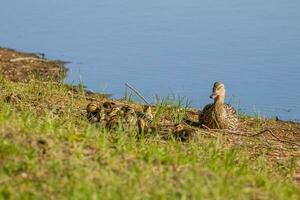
(20, 66)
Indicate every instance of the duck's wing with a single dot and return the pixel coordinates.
(231, 115)
(207, 107)
(205, 111)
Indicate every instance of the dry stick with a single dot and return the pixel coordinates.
(248, 134)
(252, 135)
(28, 58)
(283, 141)
(224, 130)
(137, 93)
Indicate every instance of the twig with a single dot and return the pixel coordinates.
(283, 141)
(28, 58)
(137, 93)
(250, 134)
(223, 130)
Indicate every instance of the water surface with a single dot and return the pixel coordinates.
(171, 46)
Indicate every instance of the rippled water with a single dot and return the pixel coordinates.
(171, 46)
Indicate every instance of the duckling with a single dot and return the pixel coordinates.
(146, 114)
(219, 115)
(128, 115)
(121, 115)
(183, 133)
(145, 120)
(92, 110)
(100, 112)
(111, 115)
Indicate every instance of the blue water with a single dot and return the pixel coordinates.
(170, 46)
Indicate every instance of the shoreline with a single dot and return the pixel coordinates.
(20, 66)
(50, 147)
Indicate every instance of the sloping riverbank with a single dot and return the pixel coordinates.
(49, 150)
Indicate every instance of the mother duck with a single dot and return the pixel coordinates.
(219, 115)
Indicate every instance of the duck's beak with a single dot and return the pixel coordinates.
(213, 95)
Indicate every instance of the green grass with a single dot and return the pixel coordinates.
(48, 150)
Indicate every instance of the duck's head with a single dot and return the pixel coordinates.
(218, 92)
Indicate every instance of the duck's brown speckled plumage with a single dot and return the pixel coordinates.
(217, 118)
(219, 115)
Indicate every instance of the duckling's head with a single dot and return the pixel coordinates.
(92, 108)
(218, 92)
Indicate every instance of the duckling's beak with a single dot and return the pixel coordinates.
(213, 95)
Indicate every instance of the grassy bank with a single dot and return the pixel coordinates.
(49, 150)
